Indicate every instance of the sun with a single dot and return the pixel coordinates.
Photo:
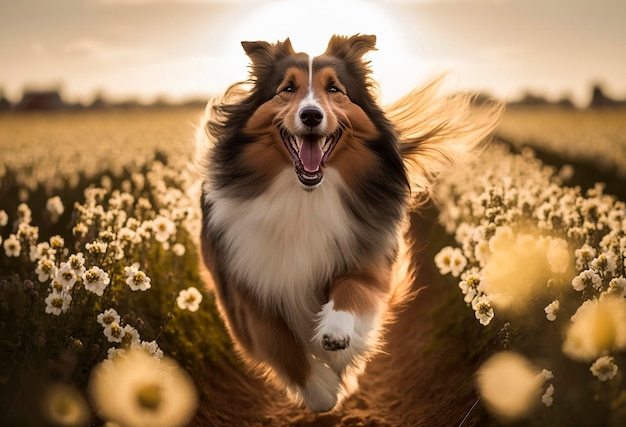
(310, 25)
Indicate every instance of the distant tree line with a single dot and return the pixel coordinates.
(50, 100)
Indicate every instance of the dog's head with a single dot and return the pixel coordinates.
(311, 109)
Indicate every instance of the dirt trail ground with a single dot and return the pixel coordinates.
(423, 379)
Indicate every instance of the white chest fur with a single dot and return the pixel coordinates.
(285, 242)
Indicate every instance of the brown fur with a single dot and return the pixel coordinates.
(388, 160)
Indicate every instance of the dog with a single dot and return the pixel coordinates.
(306, 193)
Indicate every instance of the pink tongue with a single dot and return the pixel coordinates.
(310, 154)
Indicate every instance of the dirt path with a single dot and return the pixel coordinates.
(424, 379)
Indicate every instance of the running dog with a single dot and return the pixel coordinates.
(307, 188)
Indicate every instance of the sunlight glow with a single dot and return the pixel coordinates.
(310, 28)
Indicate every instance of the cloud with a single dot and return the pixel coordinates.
(93, 49)
(36, 48)
(142, 2)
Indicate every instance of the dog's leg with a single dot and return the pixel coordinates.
(305, 377)
(322, 390)
(263, 337)
(349, 323)
(266, 340)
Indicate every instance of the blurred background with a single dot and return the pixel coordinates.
(76, 53)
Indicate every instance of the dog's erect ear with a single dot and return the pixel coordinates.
(351, 47)
(263, 53)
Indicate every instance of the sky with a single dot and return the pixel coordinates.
(181, 49)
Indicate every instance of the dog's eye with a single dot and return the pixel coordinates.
(288, 89)
(333, 88)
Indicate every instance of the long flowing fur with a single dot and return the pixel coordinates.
(352, 269)
(437, 131)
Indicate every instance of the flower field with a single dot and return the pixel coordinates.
(597, 136)
(543, 260)
(99, 217)
(103, 316)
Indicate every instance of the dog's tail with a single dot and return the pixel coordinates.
(435, 131)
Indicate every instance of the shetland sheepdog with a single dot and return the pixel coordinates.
(307, 187)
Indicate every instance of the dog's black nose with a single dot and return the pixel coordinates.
(311, 116)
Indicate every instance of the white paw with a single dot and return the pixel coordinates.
(322, 389)
(335, 328)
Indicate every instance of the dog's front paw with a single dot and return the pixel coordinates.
(334, 328)
(335, 343)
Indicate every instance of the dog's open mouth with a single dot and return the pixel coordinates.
(309, 154)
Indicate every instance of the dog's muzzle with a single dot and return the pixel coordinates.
(309, 154)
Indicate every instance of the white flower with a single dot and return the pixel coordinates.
(57, 242)
(117, 250)
(108, 316)
(24, 213)
(463, 232)
(151, 347)
(77, 263)
(4, 218)
(604, 368)
(131, 335)
(114, 332)
(96, 280)
(137, 280)
(618, 286)
(604, 263)
(63, 405)
(46, 269)
(66, 276)
(27, 232)
(558, 256)
(57, 303)
(135, 389)
(482, 309)
(164, 228)
(125, 234)
(189, 299)
(80, 230)
(41, 250)
(470, 287)
(55, 207)
(114, 352)
(179, 249)
(597, 327)
(96, 247)
(547, 398)
(57, 287)
(12, 246)
(587, 278)
(584, 255)
(450, 260)
(509, 385)
(552, 309)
